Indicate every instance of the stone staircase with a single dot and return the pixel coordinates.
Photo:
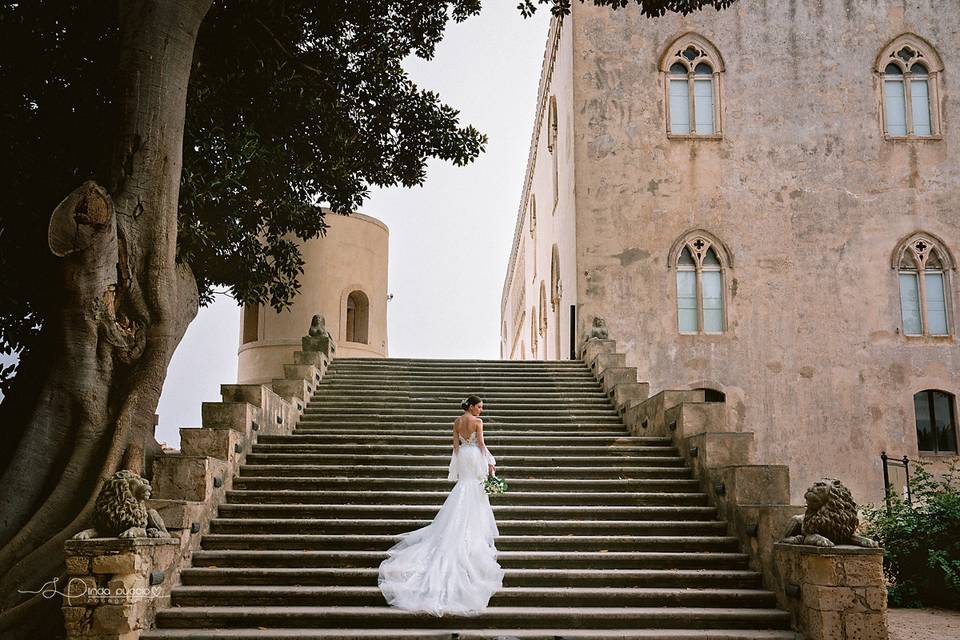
(603, 535)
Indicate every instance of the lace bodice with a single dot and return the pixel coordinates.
(471, 440)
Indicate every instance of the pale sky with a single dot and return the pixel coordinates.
(449, 240)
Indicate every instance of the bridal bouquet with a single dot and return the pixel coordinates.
(494, 485)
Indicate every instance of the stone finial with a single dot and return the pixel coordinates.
(121, 511)
(830, 519)
(599, 330)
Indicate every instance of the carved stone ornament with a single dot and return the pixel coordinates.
(599, 330)
(830, 519)
(121, 510)
(318, 327)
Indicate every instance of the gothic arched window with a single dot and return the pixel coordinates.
(692, 68)
(909, 69)
(555, 286)
(533, 331)
(543, 309)
(699, 261)
(936, 421)
(923, 266)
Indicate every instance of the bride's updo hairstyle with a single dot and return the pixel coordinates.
(469, 402)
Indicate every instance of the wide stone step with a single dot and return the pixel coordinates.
(559, 417)
(375, 426)
(443, 437)
(558, 421)
(436, 498)
(366, 542)
(437, 472)
(386, 617)
(467, 386)
(467, 634)
(620, 578)
(586, 398)
(480, 377)
(505, 461)
(592, 401)
(430, 449)
(283, 595)
(513, 559)
(565, 485)
(395, 526)
(518, 512)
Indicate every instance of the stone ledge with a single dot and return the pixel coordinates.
(836, 550)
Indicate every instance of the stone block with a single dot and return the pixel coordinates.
(322, 344)
(129, 562)
(828, 598)
(77, 565)
(77, 620)
(628, 393)
(604, 361)
(314, 358)
(213, 443)
(824, 625)
(182, 477)
(613, 376)
(689, 418)
(757, 484)
(871, 625)
(306, 372)
(646, 418)
(592, 348)
(254, 394)
(875, 598)
(715, 450)
(80, 590)
(820, 570)
(291, 390)
(239, 416)
(121, 618)
(124, 588)
(180, 514)
(863, 571)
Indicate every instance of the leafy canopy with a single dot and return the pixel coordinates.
(293, 104)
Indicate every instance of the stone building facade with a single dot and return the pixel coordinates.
(764, 202)
(345, 280)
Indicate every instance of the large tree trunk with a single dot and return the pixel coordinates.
(126, 306)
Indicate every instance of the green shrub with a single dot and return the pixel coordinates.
(921, 541)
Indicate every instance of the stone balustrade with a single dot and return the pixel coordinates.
(114, 585)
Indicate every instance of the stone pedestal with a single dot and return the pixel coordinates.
(115, 586)
(833, 593)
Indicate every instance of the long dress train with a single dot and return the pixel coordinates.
(450, 565)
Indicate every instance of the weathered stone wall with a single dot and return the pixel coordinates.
(807, 196)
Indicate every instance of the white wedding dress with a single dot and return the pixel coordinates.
(450, 565)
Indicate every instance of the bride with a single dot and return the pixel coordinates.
(450, 565)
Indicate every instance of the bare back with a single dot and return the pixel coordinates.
(465, 426)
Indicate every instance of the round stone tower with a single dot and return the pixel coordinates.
(345, 280)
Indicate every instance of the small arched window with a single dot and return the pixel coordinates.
(556, 290)
(909, 69)
(936, 421)
(533, 331)
(543, 308)
(553, 129)
(358, 317)
(922, 268)
(692, 67)
(533, 214)
(700, 306)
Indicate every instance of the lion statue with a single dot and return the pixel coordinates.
(121, 511)
(831, 518)
(599, 330)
